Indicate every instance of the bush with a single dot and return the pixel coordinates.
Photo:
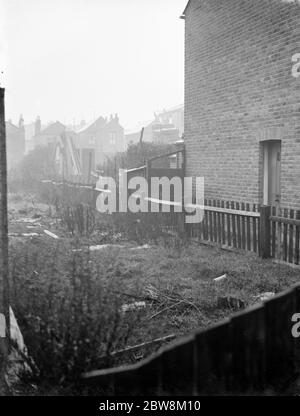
(69, 311)
(36, 166)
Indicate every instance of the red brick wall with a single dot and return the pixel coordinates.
(239, 90)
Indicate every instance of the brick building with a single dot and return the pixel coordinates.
(242, 99)
(15, 142)
(49, 135)
(167, 127)
(102, 138)
(173, 115)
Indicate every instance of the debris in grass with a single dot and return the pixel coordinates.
(224, 276)
(36, 216)
(103, 246)
(24, 235)
(19, 362)
(145, 246)
(151, 291)
(133, 306)
(264, 296)
(15, 332)
(165, 309)
(51, 234)
(2, 326)
(28, 220)
(230, 302)
(144, 344)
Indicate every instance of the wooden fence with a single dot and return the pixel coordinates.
(285, 235)
(250, 353)
(267, 231)
(69, 193)
(229, 224)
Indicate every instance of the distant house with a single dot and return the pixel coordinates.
(164, 133)
(173, 116)
(167, 127)
(61, 143)
(15, 138)
(242, 124)
(29, 135)
(32, 129)
(132, 136)
(49, 135)
(100, 139)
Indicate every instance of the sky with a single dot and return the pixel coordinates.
(70, 60)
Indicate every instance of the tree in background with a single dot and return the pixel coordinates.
(35, 166)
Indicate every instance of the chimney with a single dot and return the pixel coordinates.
(37, 125)
(21, 122)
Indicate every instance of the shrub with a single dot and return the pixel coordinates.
(36, 166)
(69, 311)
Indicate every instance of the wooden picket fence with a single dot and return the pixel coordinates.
(285, 235)
(253, 352)
(269, 231)
(229, 224)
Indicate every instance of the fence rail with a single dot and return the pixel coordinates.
(253, 351)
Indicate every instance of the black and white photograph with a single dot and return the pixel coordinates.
(150, 203)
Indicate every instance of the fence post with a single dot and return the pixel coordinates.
(182, 224)
(148, 178)
(4, 285)
(265, 232)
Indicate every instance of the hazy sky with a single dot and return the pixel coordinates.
(78, 59)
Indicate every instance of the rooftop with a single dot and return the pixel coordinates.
(53, 129)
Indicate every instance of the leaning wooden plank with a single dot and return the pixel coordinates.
(142, 345)
(51, 234)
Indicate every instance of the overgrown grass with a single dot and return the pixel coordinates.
(69, 309)
(69, 304)
(68, 299)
